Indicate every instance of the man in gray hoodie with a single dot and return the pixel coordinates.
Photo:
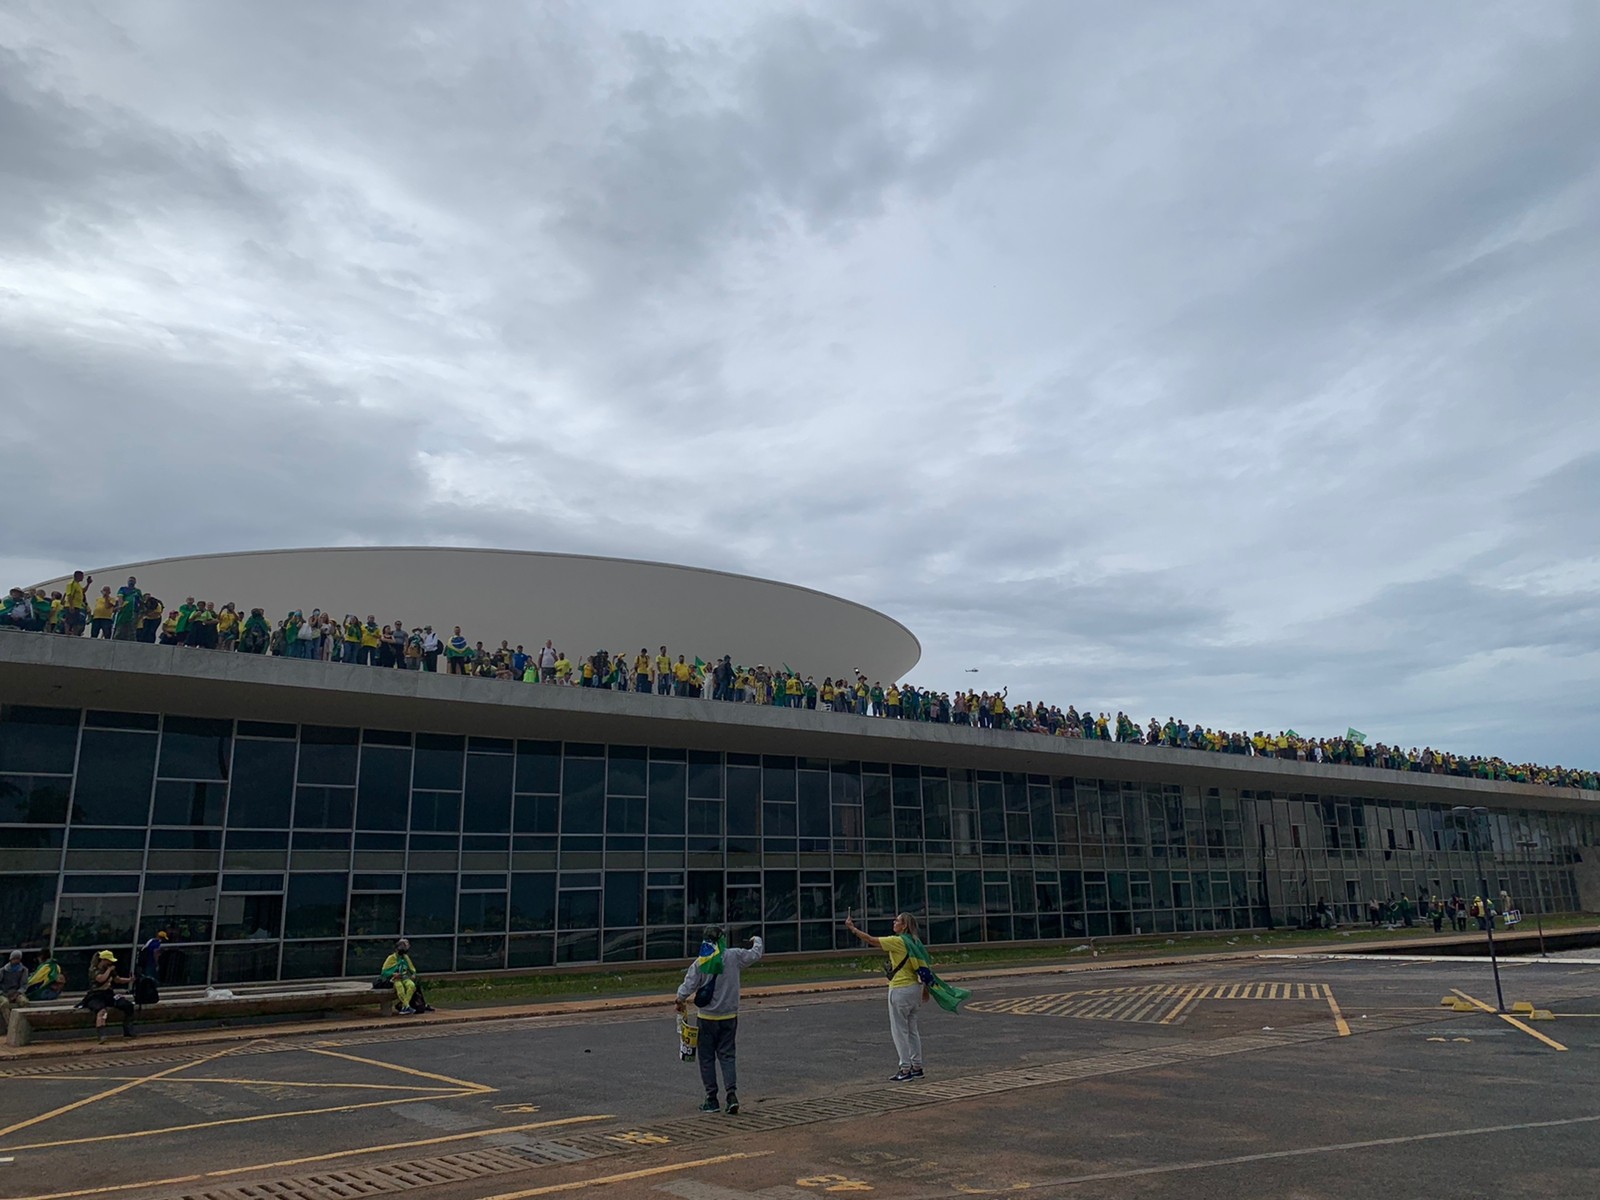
(713, 980)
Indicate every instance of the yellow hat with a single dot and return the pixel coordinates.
(107, 955)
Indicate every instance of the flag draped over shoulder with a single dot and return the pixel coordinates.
(946, 995)
(709, 961)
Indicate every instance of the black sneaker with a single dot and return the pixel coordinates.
(733, 1102)
(903, 1075)
(916, 1072)
(709, 1104)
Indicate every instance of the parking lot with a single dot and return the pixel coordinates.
(1292, 1076)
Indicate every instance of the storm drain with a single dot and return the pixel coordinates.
(519, 1152)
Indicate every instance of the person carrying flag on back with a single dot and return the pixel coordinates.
(713, 980)
(912, 984)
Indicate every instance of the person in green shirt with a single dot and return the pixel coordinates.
(399, 970)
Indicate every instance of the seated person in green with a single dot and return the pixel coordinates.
(399, 970)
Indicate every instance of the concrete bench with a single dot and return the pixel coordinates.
(246, 1003)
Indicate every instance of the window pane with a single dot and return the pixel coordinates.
(439, 762)
(180, 904)
(384, 791)
(373, 915)
(582, 795)
(533, 900)
(27, 908)
(488, 794)
(37, 740)
(183, 803)
(195, 748)
(115, 771)
(328, 755)
(539, 767)
(263, 785)
(242, 916)
(34, 799)
(430, 904)
(624, 899)
(316, 906)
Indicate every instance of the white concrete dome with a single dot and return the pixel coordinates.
(583, 602)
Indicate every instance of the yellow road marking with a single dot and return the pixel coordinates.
(298, 1162)
(1510, 1020)
(116, 1091)
(304, 1112)
(645, 1173)
(374, 1062)
(381, 1087)
(1188, 999)
(1339, 1022)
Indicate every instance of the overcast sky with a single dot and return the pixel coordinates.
(1225, 361)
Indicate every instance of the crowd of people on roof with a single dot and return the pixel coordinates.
(130, 614)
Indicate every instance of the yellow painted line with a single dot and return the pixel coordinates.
(1177, 1011)
(304, 1112)
(1339, 1022)
(1510, 1020)
(379, 1087)
(645, 1173)
(1531, 1032)
(337, 1154)
(374, 1062)
(109, 1092)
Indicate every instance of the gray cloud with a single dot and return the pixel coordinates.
(1225, 361)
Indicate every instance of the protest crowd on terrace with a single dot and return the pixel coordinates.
(129, 614)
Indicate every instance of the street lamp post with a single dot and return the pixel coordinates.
(1488, 922)
(1527, 846)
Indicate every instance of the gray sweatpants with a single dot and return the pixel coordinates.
(903, 1005)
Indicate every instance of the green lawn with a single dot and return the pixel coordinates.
(634, 981)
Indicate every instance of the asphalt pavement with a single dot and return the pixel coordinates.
(1293, 1076)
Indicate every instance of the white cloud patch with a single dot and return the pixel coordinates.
(1234, 362)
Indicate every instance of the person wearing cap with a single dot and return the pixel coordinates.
(713, 980)
(399, 970)
(102, 997)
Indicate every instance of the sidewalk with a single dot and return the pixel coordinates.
(160, 1039)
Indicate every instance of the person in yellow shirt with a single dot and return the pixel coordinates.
(908, 989)
(663, 673)
(891, 700)
(227, 626)
(641, 671)
(100, 616)
(75, 605)
(793, 690)
(563, 669)
(681, 673)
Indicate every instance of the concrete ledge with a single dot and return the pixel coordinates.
(61, 1015)
(132, 676)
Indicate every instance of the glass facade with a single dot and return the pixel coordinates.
(283, 851)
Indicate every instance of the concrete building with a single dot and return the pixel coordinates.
(288, 819)
(582, 602)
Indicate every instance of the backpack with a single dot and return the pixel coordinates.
(145, 991)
